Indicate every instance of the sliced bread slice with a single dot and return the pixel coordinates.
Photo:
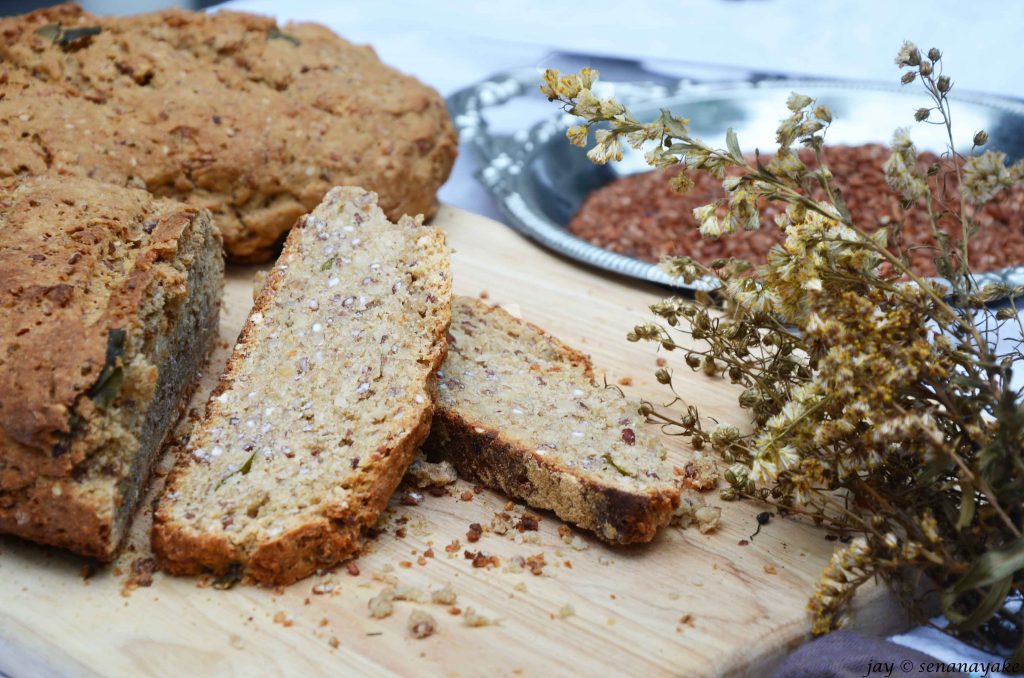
(322, 404)
(519, 411)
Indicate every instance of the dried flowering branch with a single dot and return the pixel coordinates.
(880, 407)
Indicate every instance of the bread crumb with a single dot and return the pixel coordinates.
(484, 294)
(444, 596)
(528, 523)
(352, 568)
(421, 624)
(579, 544)
(566, 611)
(625, 381)
(381, 605)
(334, 642)
(323, 589)
(700, 473)
(693, 511)
(521, 587)
(661, 362)
(473, 618)
(501, 523)
(475, 530)
(453, 548)
(770, 569)
(423, 473)
(324, 622)
(536, 564)
(565, 533)
(283, 619)
(408, 593)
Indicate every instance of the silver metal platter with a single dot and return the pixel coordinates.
(539, 180)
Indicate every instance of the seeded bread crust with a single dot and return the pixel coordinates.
(82, 262)
(497, 455)
(482, 455)
(225, 110)
(332, 530)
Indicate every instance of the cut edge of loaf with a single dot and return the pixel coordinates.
(482, 453)
(327, 539)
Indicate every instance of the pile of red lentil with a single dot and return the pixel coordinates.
(642, 217)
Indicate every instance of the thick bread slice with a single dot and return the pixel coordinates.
(322, 404)
(109, 300)
(519, 411)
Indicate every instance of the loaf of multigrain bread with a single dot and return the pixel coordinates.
(226, 111)
(109, 300)
(323, 402)
(519, 411)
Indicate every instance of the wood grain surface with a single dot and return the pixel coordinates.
(688, 603)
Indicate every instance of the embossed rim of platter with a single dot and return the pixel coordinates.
(506, 158)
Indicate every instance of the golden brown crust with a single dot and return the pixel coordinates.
(226, 111)
(79, 262)
(64, 246)
(483, 455)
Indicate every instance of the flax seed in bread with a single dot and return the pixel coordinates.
(519, 411)
(109, 300)
(323, 402)
(227, 111)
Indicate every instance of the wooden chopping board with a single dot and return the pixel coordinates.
(686, 604)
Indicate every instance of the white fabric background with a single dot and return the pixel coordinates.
(452, 44)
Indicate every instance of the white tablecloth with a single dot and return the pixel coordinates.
(451, 44)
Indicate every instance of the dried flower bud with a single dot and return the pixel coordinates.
(1006, 313)
(934, 54)
(909, 54)
(693, 360)
(663, 376)
(646, 409)
(944, 83)
(750, 397)
(925, 68)
(980, 138)
(908, 77)
(921, 114)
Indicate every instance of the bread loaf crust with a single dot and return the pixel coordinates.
(483, 455)
(225, 110)
(71, 467)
